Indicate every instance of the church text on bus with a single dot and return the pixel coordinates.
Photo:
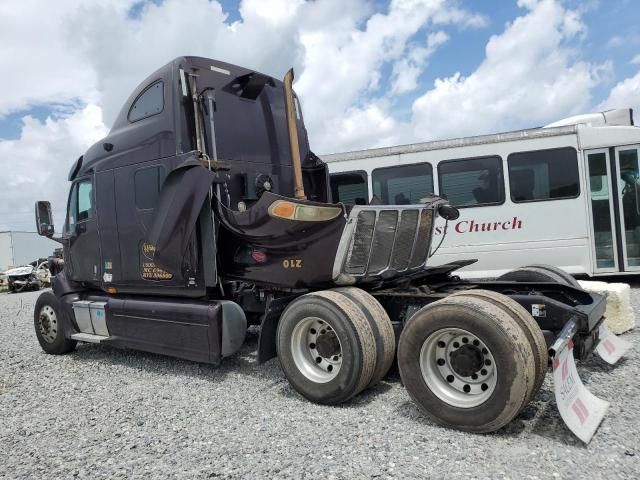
(471, 226)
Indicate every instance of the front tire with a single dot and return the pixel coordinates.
(326, 347)
(466, 363)
(49, 325)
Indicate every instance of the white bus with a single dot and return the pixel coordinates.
(567, 194)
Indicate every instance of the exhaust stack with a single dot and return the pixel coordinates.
(298, 186)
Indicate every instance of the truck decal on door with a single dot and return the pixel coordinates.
(148, 269)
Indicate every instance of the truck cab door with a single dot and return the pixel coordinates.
(80, 235)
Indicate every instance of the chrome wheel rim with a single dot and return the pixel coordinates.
(316, 350)
(48, 324)
(458, 367)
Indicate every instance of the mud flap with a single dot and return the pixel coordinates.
(611, 347)
(581, 411)
(174, 219)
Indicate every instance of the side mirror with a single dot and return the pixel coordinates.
(448, 212)
(44, 219)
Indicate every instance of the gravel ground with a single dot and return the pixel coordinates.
(106, 413)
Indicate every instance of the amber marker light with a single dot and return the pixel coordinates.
(282, 209)
(308, 213)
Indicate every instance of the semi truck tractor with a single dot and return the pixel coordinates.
(205, 211)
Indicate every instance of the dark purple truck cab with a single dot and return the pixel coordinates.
(182, 229)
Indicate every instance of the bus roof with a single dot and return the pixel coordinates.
(588, 137)
(452, 143)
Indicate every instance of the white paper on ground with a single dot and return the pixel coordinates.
(611, 347)
(581, 411)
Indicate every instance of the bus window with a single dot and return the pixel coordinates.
(472, 182)
(404, 184)
(544, 175)
(350, 187)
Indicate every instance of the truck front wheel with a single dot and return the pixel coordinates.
(49, 325)
(466, 363)
(326, 347)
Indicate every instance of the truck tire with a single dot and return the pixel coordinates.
(466, 363)
(540, 273)
(528, 325)
(380, 324)
(326, 347)
(49, 325)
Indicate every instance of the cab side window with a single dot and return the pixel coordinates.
(72, 208)
(150, 102)
(85, 200)
(80, 207)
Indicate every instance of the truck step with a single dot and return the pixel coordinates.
(88, 337)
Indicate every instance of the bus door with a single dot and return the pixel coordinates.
(628, 183)
(614, 200)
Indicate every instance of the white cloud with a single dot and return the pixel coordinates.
(94, 53)
(35, 166)
(635, 60)
(615, 41)
(352, 64)
(529, 76)
(406, 71)
(381, 128)
(625, 94)
(38, 63)
(341, 62)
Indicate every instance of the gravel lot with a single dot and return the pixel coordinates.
(106, 413)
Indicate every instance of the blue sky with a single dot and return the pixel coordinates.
(369, 73)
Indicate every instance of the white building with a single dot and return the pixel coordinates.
(21, 248)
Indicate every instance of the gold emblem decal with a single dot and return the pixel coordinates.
(149, 270)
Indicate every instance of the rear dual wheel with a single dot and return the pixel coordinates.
(467, 363)
(333, 344)
(528, 325)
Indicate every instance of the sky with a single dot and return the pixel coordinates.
(369, 73)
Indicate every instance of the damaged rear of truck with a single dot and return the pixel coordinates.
(205, 211)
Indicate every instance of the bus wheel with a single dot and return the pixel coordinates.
(527, 324)
(380, 324)
(540, 273)
(49, 325)
(467, 363)
(326, 347)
